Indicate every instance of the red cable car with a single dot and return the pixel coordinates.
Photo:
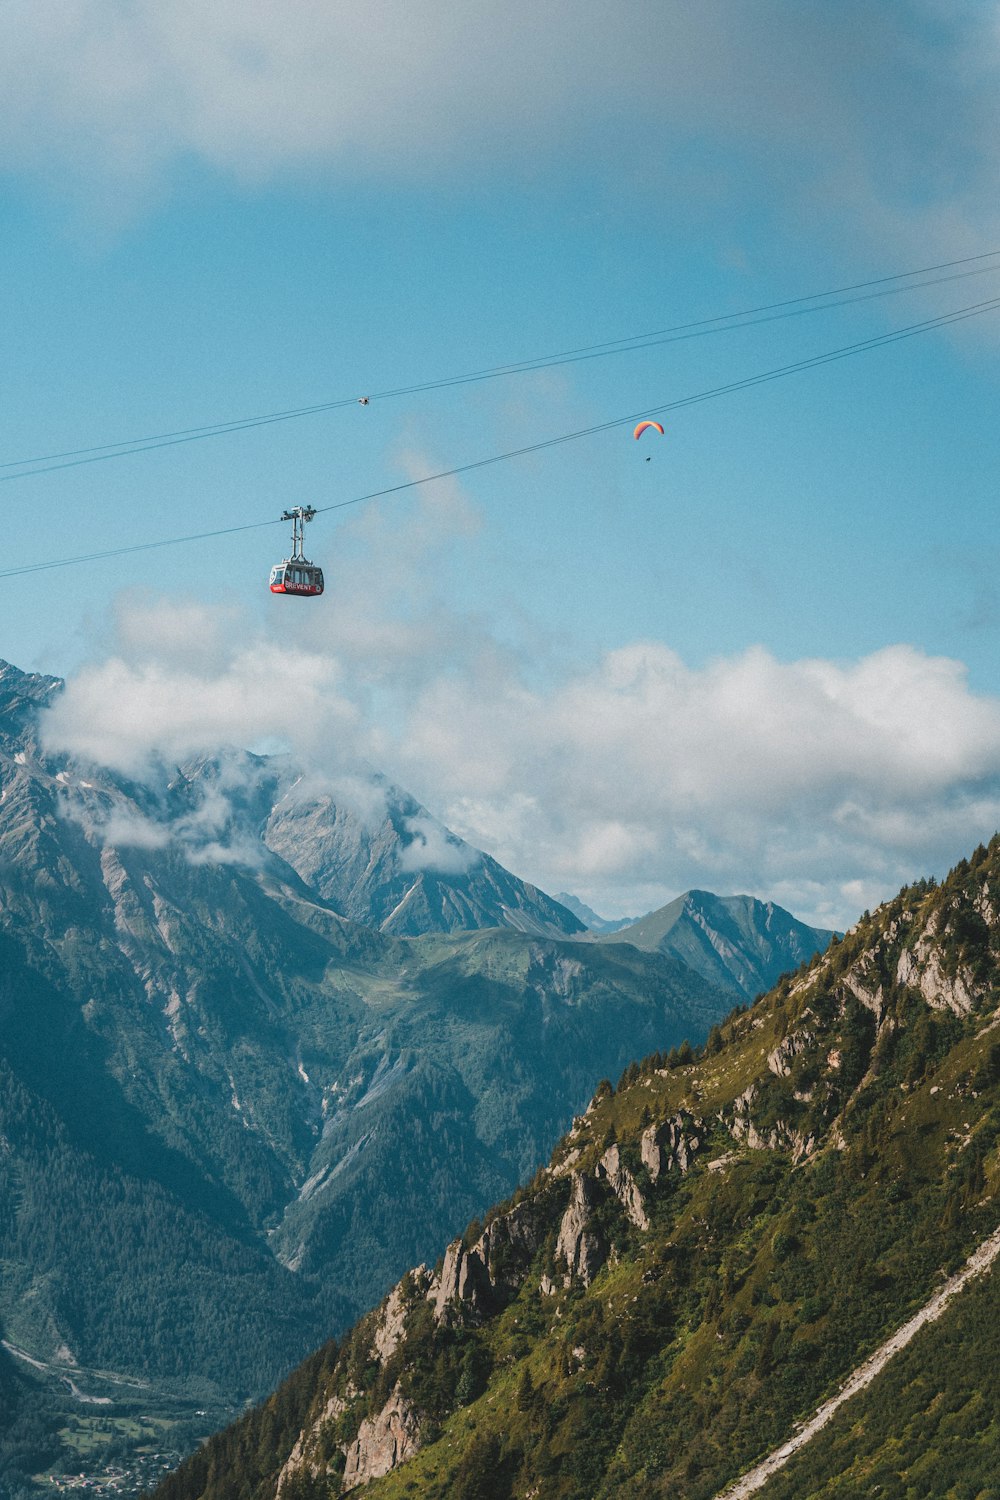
(296, 575)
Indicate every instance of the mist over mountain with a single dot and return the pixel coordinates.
(254, 1111)
(767, 1260)
(403, 872)
(589, 917)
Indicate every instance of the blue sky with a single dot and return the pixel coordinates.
(216, 212)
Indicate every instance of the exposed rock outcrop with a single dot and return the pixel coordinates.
(508, 1242)
(623, 1185)
(298, 1460)
(580, 1245)
(985, 906)
(919, 967)
(383, 1442)
(780, 1060)
(464, 1284)
(779, 1137)
(390, 1325)
(866, 991)
(496, 1263)
(671, 1145)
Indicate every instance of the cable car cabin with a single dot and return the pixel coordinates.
(297, 577)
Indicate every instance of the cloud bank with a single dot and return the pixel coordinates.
(824, 785)
(890, 110)
(188, 679)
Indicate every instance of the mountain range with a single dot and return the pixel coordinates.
(763, 1259)
(253, 1110)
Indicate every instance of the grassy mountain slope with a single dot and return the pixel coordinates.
(714, 1246)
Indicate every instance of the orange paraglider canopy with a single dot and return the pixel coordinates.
(642, 428)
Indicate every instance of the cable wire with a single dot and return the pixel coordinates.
(72, 458)
(958, 315)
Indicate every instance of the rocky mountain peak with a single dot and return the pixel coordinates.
(738, 942)
(21, 696)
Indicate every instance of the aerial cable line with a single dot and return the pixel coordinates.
(48, 463)
(764, 377)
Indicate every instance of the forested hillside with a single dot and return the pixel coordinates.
(714, 1247)
(930, 1427)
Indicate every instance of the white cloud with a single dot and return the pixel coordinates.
(890, 112)
(640, 776)
(252, 89)
(432, 847)
(123, 828)
(153, 703)
(824, 785)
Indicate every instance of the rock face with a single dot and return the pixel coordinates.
(623, 1185)
(297, 1461)
(778, 1137)
(671, 1145)
(869, 992)
(464, 1284)
(391, 1321)
(384, 1438)
(507, 1243)
(780, 1060)
(472, 1280)
(382, 859)
(580, 1245)
(382, 1442)
(920, 967)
